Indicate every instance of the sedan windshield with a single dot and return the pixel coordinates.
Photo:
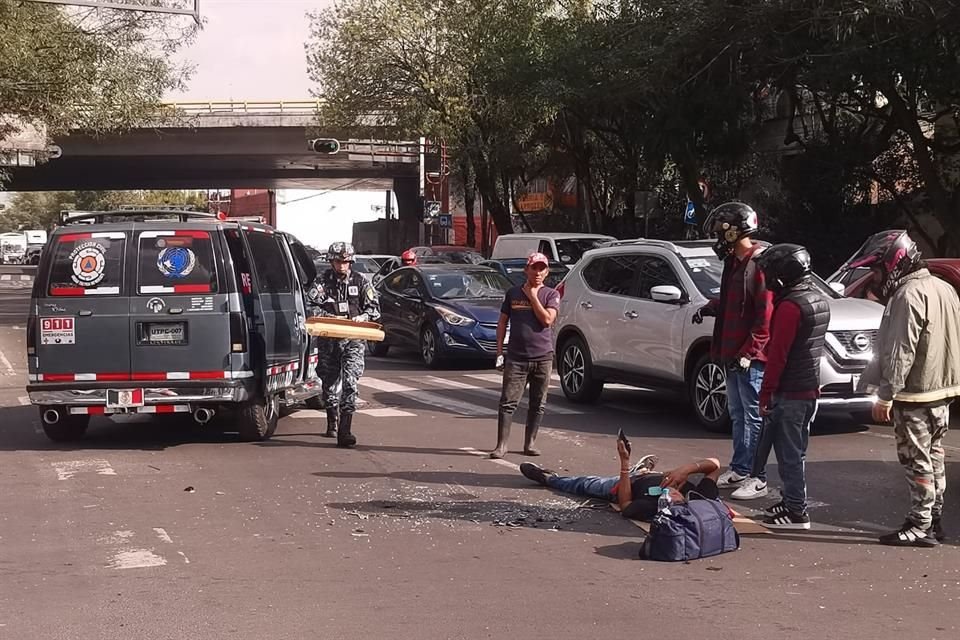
(466, 284)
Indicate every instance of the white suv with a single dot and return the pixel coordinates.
(625, 316)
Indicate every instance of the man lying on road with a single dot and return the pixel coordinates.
(630, 489)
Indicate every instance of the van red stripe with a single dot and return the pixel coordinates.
(191, 288)
(207, 375)
(58, 377)
(148, 376)
(67, 291)
(112, 377)
(191, 234)
(73, 237)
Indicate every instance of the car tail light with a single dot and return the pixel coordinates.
(238, 332)
(32, 337)
(560, 288)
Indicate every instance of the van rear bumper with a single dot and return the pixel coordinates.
(96, 394)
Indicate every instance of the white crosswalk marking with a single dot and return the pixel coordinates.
(428, 398)
(5, 277)
(445, 382)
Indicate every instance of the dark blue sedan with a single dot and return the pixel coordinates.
(444, 311)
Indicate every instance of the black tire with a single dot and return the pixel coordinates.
(707, 388)
(431, 351)
(69, 428)
(257, 419)
(379, 349)
(863, 417)
(575, 368)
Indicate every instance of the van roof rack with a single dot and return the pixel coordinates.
(70, 217)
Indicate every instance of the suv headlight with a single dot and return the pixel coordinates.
(452, 317)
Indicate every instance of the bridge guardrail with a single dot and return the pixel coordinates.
(292, 107)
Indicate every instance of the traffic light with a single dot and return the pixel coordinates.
(328, 146)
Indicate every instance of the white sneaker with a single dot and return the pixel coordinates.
(751, 489)
(730, 478)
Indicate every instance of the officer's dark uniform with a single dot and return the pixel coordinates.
(341, 362)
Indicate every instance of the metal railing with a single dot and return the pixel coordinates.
(291, 107)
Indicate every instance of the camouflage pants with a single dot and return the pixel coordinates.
(919, 432)
(341, 365)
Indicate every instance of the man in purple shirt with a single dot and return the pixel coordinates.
(530, 311)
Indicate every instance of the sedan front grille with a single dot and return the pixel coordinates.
(856, 342)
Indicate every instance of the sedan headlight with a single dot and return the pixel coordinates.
(452, 317)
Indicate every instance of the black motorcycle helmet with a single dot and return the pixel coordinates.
(784, 265)
(728, 223)
(890, 255)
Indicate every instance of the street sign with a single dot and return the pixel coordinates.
(431, 209)
(446, 220)
(690, 215)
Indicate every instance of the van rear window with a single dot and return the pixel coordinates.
(178, 262)
(87, 264)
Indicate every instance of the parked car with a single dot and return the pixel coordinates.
(853, 282)
(393, 263)
(369, 265)
(625, 316)
(566, 248)
(444, 311)
(179, 313)
(456, 254)
(513, 269)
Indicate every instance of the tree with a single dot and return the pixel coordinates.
(66, 68)
(466, 71)
(41, 209)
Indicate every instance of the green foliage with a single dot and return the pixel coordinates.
(41, 209)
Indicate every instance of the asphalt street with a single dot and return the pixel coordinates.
(156, 529)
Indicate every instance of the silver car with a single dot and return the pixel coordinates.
(625, 316)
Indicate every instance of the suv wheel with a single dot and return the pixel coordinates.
(68, 429)
(257, 419)
(708, 395)
(576, 372)
(430, 347)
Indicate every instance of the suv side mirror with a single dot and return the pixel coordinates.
(666, 293)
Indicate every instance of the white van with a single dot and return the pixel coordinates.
(567, 248)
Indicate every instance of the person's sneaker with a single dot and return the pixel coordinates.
(730, 478)
(750, 489)
(646, 463)
(787, 520)
(909, 535)
(937, 530)
(535, 472)
(776, 509)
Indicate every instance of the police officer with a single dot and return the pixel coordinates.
(340, 292)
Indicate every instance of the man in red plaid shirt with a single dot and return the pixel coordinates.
(740, 334)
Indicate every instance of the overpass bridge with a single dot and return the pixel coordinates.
(200, 145)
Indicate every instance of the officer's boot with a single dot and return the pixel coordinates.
(530, 435)
(504, 421)
(333, 420)
(344, 437)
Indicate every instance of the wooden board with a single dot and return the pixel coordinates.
(344, 329)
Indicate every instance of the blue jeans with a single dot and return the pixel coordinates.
(743, 403)
(787, 429)
(587, 486)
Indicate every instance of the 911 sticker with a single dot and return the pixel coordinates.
(57, 331)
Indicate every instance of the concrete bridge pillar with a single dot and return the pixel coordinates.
(409, 210)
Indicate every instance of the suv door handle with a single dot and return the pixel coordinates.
(633, 315)
(85, 313)
(586, 305)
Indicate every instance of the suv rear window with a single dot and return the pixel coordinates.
(176, 262)
(87, 264)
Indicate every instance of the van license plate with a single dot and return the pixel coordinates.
(124, 398)
(166, 333)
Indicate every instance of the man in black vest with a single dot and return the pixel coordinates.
(340, 292)
(791, 382)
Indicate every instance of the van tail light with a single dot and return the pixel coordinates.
(238, 333)
(32, 337)
(560, 290)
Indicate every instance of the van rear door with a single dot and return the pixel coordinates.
(179, 320)
(82, 325)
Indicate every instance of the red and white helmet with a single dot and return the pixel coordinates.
(408, 258)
